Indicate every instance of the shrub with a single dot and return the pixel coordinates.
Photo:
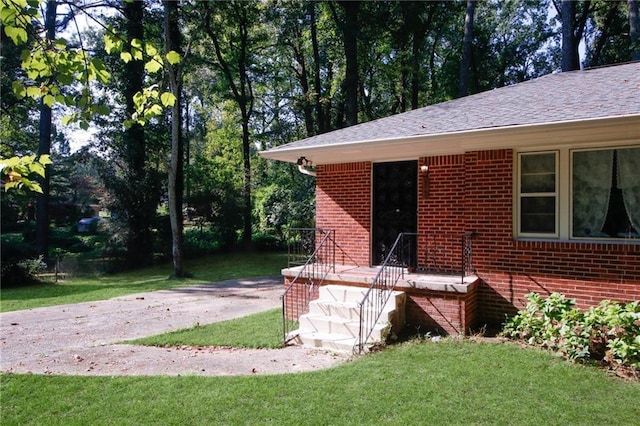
(263, 241)
(609, 332)
(16, 272)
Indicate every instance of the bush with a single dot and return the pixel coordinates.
(19, 265)
(609, 332)
(267, 242)
(200, 242)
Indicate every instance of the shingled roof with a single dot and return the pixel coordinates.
(605, 92)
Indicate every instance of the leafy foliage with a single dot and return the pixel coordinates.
(17, 171)
(609, 331)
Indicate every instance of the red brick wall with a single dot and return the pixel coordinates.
(437, 311)
(509, 268)
(441, 210)
(474, 191)
(298, 297)
(343, 203)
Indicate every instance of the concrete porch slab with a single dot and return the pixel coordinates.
(364, 276)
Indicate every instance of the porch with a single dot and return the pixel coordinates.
(429, 279)
(440, 303)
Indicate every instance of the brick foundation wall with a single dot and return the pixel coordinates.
(441, 312)
(298, 297)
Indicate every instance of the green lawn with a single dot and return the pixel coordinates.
(261, 330)
(451, 382)
(84, 289)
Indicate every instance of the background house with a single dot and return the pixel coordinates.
(545, 173)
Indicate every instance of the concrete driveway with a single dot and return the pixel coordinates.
(83, 338)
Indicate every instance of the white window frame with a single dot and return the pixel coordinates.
(520, 196)
(564, 194)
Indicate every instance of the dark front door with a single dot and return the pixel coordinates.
(395, 204)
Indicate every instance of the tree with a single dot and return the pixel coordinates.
(467, 48)
(176, 166)
(634, 29)
(348, 24)
(514, 42)
(44, 148)
(138, 210)
(235, 36)
(573, 25)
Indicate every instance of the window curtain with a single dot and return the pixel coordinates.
(629, 182)
(592, 172)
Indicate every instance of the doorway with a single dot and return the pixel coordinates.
(395, 205)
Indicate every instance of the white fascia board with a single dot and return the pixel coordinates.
(592, 132)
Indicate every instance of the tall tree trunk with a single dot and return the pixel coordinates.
(139, 237)
(44, 147)
(246, 196)
(350, 34)
(417, 47)
(317, 82)
(303, 78)
(467, 49)
(572, 30)
(176, 165)
(634, 29)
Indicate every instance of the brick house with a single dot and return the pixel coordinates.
(545, 175)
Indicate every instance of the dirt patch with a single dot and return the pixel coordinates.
(83, 338)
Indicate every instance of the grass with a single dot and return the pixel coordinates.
(261, 330)
(451, 382)
(85, 289)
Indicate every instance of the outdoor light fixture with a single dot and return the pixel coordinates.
(306, 166)
(425, 181)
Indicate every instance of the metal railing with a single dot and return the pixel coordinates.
(442, 253)
(435, 253)
(377, 296)
(318, 248)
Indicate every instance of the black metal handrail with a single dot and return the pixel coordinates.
(320, 261)
(439, 253)
(412, 252)
(378, 294)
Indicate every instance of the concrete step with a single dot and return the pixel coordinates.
(342, 326)
(350, 309)
(333, 342)
(333, 321)
(341, 293)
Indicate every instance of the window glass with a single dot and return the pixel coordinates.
(538, 193)
(606, 193)
(538, 215)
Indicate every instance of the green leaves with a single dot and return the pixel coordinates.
(609, 331)
(50, 65)
(16, 16)
(168, 99)
(17, 35)
(16, 172)
(150, 102)
(153, 66)
(173, 57)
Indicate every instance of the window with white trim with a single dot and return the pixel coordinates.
(538, 194)
(582, 194)
(605, 199)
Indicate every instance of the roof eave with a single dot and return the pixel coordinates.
(586, 132)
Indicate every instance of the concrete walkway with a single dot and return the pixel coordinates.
(83, 338)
